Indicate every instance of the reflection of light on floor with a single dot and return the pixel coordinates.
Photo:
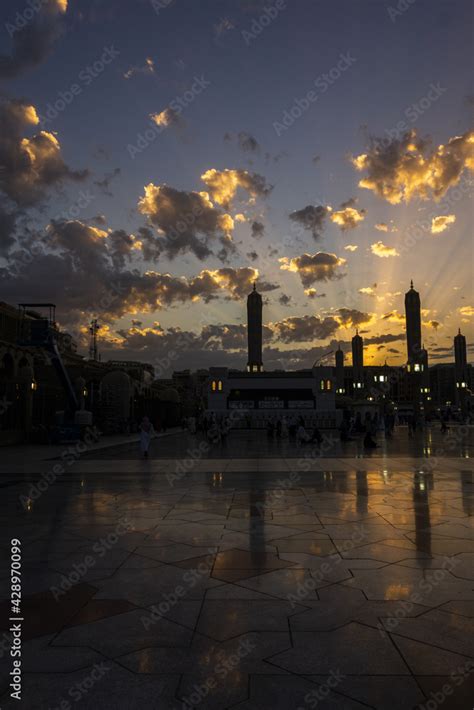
(427, 451)
(397, 591)
(217, 479)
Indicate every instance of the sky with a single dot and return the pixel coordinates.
(158, 157)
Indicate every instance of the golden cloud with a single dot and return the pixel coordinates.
(314, 267)
(406, 168)
(348, 218)
(382, 250)
(351, 247)
(439, 224)
(223, 185)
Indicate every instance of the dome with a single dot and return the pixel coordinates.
(169, 394)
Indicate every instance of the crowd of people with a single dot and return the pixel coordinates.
(302, 430)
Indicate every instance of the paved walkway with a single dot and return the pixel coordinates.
(249, 583)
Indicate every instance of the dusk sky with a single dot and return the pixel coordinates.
(156, 158)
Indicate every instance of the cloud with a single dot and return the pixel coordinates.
(32, 43)
(441, 223)
(258, 229)
(224, 184)
(351, 247)
(252, 255)
(467, 311)
(186, 221)
(386, 338)
(29, 165)
(224, 25)
(147, 68)
(348, 216)
(296, 329)
(7, 230)
(284, 300)
(408, 167)
(351, 317)
(312, 293)
(247, 142)
(79, 254)
(314, 267)
(104, 184)
(368, 291)
(382, 250)
(168, 117)
(311, 218)
(394, 317)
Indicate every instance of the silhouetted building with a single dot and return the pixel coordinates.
(340, 388)
(358, 361)
(413, 325)
(254, 331)
(460, 357)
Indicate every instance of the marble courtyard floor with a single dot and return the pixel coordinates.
(249, 576)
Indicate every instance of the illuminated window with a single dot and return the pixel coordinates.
(417, 367)
(214, 385)
(321, 385)
(328, 385)
(219, 385)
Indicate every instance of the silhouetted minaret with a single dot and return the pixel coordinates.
(339, 371)
(357, 351)
(254, 331)
(413, 324)
(460, 367)
(358, 360)
(460, 352)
